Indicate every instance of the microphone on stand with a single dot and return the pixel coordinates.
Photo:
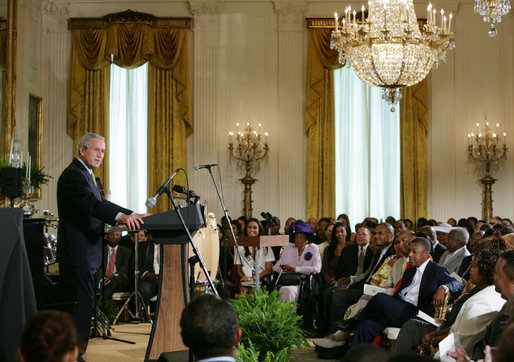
(189, 193)
(153, 200)
(197, 167)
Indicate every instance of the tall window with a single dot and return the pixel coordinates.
(367, 137)
(128, 137)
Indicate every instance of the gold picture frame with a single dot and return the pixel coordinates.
(35, 134)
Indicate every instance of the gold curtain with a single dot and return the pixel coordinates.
(319, 124)
(133, 39)
(413, 134)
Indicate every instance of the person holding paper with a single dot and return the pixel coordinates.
(423, 287)
(467, 320)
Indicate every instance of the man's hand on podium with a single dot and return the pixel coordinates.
(133, 221)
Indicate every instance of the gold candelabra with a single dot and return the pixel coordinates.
(487, 146)
(248, 146)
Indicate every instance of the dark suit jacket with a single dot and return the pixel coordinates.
(433, 277)
(349, 259)
(124, 266)
(82, 214)
(438, 251)
(145, 256)
(373, 267)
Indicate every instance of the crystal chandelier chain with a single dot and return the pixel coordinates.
(387, 49)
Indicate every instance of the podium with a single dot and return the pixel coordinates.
(167, 231)
(261, 241)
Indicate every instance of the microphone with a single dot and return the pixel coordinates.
(183, 190)
(153, 200)
(197, 167)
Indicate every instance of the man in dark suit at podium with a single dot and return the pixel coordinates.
(82, 214)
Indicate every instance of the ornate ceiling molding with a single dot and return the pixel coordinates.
(129, 16)
(290, 14)
(199, 8)
(56, 8)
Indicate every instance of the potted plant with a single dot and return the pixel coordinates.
(270, 327)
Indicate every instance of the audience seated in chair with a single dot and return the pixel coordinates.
(245, 270)
(149, 269)
(422, 288)
(328, 239)
(49, 335)
(119, 265)
(457, 251)
(301, 259)
(469, 315)
(332, 253)
(337, 300)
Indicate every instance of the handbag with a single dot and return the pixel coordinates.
(290, 279)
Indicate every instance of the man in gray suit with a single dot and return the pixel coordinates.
(457, 251)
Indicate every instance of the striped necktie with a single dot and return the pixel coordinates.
(360, 262)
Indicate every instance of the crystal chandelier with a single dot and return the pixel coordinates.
(492, 12)
(387, 49)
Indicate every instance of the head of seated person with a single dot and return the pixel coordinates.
(210, 327)
(48, 336)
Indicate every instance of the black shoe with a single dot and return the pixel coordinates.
(319, 349)
(334, 353)
(347, 325)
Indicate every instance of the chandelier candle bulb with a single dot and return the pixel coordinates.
(362, 12)
(335, 16)
(450, 23)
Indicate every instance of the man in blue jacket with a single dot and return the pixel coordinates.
(423, 287)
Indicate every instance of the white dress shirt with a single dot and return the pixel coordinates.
(411, 293)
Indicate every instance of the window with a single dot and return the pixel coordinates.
(367, 150)
(128, 137)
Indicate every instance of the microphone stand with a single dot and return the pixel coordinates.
(195, 249)
(225, 212)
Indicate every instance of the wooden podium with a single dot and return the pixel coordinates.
(173, 295)
(261, 241)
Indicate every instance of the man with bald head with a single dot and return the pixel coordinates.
(437, 248)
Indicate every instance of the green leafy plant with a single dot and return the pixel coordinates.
(270, 326)
(247, 354)
(37, 176)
